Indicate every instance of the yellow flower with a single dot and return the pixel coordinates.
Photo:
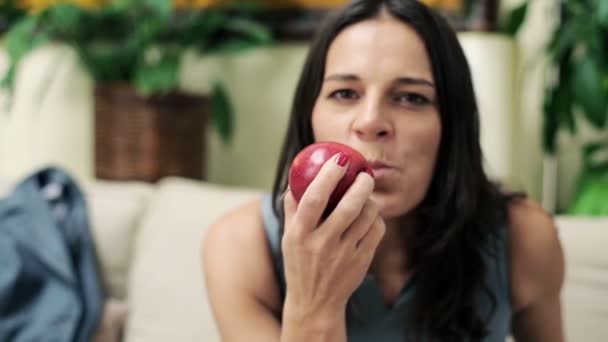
(450, 5)
(90, 3)
(198, 3)
(431, 3)
(35, 5)
(270, 3)
(39, 5)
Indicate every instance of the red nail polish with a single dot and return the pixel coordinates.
(343, 158)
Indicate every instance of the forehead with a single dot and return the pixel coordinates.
(379, 47)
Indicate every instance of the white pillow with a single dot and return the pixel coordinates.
(167, 298)
(585, 292)
(115, 211)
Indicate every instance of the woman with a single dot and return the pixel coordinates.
(427, 249)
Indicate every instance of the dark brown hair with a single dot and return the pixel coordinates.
(461, 209)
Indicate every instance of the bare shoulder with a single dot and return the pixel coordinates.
(240, 226)
(532, 227)
(537, 261)
(237, 259)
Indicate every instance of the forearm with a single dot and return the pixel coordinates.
(301, 325)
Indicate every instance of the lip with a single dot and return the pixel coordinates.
(382, 169)
(380, 165)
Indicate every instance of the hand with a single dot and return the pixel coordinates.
(325, 261)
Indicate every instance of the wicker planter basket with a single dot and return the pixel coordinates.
(145, 139)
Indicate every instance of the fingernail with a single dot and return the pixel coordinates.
(343, 158)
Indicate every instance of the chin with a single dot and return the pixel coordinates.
(392, 205)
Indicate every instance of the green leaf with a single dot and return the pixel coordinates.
(575, 8)
(108, 60)
(63, 17)
(9, 78)
(161, 8)
(222, 112)
(9, 14)
(602, 12)
(513, 21)
(550, 123)
(589, 91)
(158, 75)
(121, 5)
(590, 198)
(243, 6)
(561, 106)
(592, 150)
(592, 40)
(558, 102)
(250, 29)
(226, 33)
(592, 185)
(19, 40)
(563, 41)
(139, 11)
(213, 20)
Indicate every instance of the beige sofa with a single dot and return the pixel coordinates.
(148, 238)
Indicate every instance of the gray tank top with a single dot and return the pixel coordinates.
(375, 322)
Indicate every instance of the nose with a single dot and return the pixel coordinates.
(371, 125)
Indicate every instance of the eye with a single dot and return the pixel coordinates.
(411, 99)
(344, 94)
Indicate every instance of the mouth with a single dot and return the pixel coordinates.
(380, 168)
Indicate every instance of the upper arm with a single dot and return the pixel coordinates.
(240, 280)
(537, 274)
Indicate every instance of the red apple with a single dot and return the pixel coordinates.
(308, 162)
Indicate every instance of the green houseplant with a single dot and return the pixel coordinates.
(136, 47)
(10, 12)
(577, 89)
(578, 85)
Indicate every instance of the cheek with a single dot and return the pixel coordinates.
(423, 158)
(325, 125)
(432, 138)
(423, 138)
(316, 120)
(426, 139)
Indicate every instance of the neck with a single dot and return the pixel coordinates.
(391, 255)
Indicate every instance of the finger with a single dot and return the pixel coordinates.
(289, 205)
(350, 206)
(362, 224)
(371, 240)
(315, 198)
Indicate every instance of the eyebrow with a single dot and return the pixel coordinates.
(414, 81)
(400, 80)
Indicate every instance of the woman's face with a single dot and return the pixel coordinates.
(378, 96)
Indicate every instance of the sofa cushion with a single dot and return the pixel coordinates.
(585, 292)
(167, 298)
(115, 211)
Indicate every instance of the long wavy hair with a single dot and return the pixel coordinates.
(462, 207)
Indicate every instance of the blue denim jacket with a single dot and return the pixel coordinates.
(50, 288)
